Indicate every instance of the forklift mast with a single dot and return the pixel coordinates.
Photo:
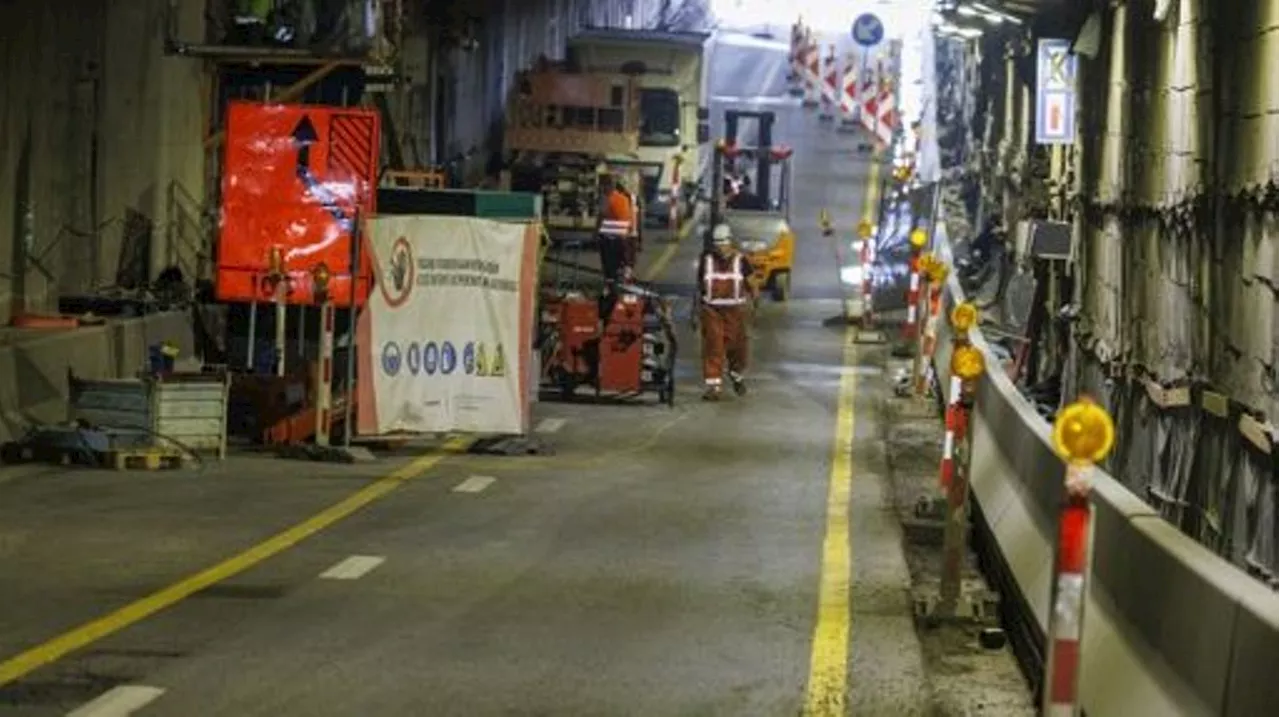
(764, 140)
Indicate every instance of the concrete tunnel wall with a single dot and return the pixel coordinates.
(99, 132)
(1170, 628)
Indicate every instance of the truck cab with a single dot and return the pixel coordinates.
(669, 71)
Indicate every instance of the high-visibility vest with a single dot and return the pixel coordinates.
(723, 287)
(616, 223)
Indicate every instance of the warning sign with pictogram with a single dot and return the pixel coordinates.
(295, 180)
(499, 367)
(1055, 92)
(482, 360)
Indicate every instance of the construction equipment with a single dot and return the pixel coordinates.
(758, 212)
(668, 68)
(632, 351)
(561, 127)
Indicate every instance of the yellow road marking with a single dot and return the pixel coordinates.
(827, 691)
(23, 664)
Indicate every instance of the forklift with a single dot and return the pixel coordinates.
(758, 213)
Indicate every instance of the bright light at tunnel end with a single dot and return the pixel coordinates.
(901, 18)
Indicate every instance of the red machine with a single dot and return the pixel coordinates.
(632, 352)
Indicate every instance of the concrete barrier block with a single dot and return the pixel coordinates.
(1251, 686)
(1121, 674)
(33, 369)
(1177, 596)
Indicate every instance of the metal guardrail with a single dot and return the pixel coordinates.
(1170, 628)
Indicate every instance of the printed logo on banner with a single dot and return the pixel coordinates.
(499, 367)
(399, 275)
(413, 358)
(482, 360)
(448, 358)
(391, 358)
(430, 358)
(469, 357)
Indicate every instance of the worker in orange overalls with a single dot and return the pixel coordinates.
(723, 295)
(617, 219)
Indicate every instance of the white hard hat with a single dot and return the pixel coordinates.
(721, 234)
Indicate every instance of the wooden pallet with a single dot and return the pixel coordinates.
(144, 459)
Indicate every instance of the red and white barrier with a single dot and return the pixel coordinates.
(324, 376)
(910, 327)
(1062, 673)
(955, 431)
(673, 215)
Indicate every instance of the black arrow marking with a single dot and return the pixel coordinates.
(304, 135)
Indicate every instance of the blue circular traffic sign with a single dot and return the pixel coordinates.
(448, 358)
(413, 358)
(391, 358)
(867, 30)
(430, 357)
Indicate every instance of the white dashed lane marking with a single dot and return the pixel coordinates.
(474, 484)
(353, 567)
(118, 702)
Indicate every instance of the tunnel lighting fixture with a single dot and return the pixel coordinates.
(967, 33)
(989, 13)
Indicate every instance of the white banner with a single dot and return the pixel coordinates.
(447, 335)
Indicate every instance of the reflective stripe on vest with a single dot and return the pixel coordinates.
(615, 227)
(711, 278)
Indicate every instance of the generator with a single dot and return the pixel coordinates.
(631, 351)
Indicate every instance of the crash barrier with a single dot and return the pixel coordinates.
(448, 335)
(34, 369)
(1170, 628)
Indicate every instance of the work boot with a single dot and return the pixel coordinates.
(739, 384)
(711, 394)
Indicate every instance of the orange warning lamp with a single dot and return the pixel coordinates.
(918, 238)
(275, 261)
(1083, 432)
(824, 221)
(864, 229)
(320, 278)
(963, 317)
(938, 273)
(967, 362)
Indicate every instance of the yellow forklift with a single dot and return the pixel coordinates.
(751, 188)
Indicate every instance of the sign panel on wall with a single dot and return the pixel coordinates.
(448, 332)
(293, 179)
(1055, 92)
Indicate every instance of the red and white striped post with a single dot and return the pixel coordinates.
(867, 256)
(954, 421)
(936, 273)
(323, 389)
(673, 216)
(913, 303)
(1083, 434)
(967, 365)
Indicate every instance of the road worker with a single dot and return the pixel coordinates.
(724, 291)
(617, 217)
(631, 247)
